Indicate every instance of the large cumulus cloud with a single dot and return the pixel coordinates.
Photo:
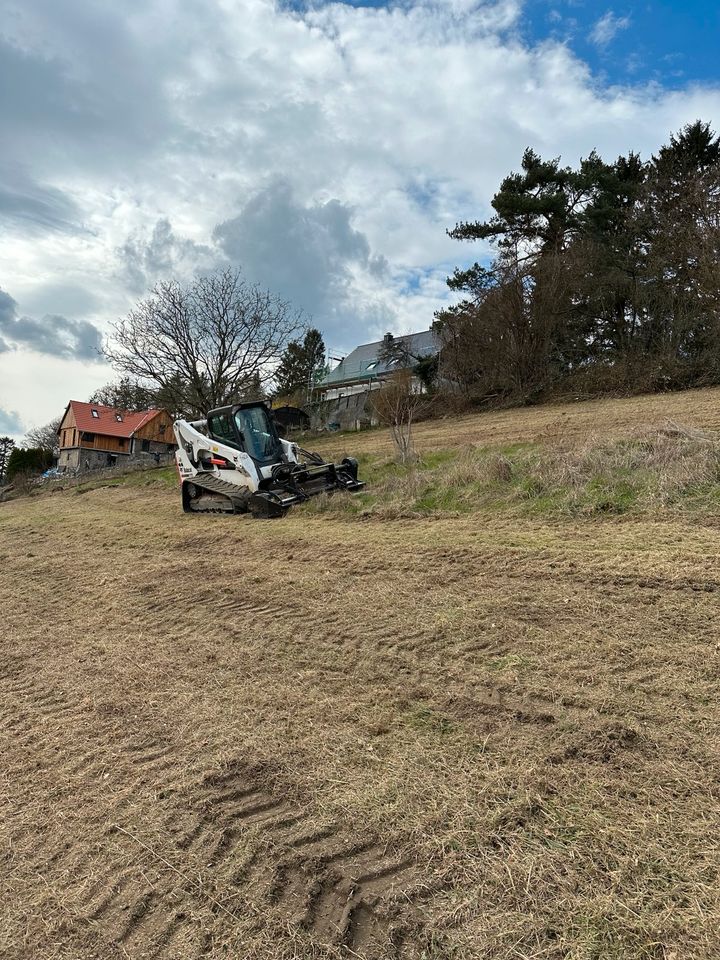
(308, 253)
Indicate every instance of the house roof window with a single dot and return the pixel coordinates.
(95, 414)
(118, 417)
(371, 366)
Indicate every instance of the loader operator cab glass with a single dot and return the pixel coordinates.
(222, 428)
(249, 429)
(257, 435)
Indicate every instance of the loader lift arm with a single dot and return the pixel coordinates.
(234, 461)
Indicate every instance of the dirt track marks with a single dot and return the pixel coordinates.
(125, 902)
(338, 887)
(210, 597)
(126, 863)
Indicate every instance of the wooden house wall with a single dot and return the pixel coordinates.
(159, 429)
(101, 442)
(67, 432)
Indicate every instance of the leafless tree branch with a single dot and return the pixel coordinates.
(205, 344)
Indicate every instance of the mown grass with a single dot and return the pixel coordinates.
(526, 710)
(164, 477)
(669, 468)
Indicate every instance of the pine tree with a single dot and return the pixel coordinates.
(6, 446)
(609, 261)
(520, 312)
(301, 366)
(683, 261)
(538, 210)
(606, 273)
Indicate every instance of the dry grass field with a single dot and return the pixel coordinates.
(487, 732)
(554, 422)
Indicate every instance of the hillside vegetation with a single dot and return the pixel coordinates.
(468, 714)
(576, 460)
(605, 276)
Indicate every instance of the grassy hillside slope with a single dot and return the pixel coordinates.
(440, 731)
(553, 423)
(643, 455)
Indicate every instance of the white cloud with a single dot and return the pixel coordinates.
(607, 28)
(10, 424)
(329, 150)
(41, 388)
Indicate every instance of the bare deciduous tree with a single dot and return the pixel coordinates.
(204, 344)
(397, 405)
(45, 437)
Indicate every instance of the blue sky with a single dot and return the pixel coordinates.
(323, 148)
(671, 44)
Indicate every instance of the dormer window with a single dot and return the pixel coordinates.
(95, 414)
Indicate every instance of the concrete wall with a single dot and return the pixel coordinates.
(351, 412)
(79, 458)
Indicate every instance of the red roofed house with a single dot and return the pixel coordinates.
(92, 435)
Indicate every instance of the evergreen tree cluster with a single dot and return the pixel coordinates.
(302, 365)
(27, 460)
(6, 448)
(605, 276)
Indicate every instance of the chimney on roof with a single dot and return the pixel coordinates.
(387, 339)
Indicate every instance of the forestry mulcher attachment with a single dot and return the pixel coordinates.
(235, 461)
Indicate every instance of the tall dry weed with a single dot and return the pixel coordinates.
(668, 466)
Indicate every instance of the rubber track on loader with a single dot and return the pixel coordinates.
(224, 489)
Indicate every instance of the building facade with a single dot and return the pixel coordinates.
(364, 369)
(92, 436)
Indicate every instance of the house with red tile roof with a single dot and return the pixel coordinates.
(92, 435)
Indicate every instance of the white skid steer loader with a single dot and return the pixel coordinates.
(234, 461)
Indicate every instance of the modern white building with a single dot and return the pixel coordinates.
(363, 370)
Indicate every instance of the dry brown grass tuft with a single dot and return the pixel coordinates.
(667, 468)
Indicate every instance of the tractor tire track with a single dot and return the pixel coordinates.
(111, 896)
(132, 885)
(325, 880)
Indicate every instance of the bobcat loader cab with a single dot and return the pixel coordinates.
(235, 461)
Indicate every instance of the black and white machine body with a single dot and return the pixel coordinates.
(234, 461)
